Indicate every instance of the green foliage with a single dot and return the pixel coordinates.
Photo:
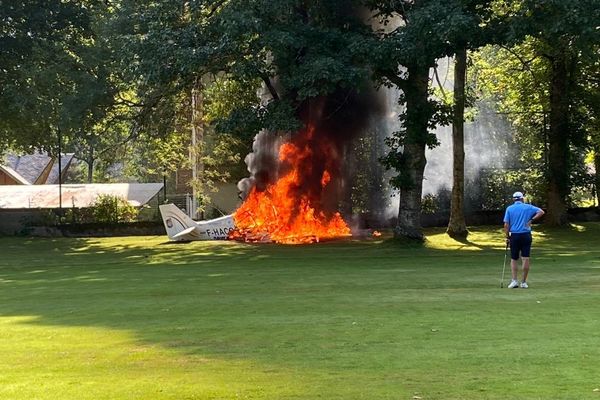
(151, 159)
(517, 79)
(495, 186)
(437, 203)
(54, 77)
(568, 39)
(216, 155)
(369, 194)
(67, 216)
(113, 79)
(48, 218)
(446, 97)
(429, 204)
(297, 50)
(113, 209)
(411, 36)
(78, 216)
(233, 107)
(227, 101)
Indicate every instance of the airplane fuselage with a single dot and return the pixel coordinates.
(181, 227)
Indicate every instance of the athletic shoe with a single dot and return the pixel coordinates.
(524, 285)
(513, 285)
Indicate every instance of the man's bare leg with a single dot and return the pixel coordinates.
(525, 268)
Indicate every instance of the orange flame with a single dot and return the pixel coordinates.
(278, 214)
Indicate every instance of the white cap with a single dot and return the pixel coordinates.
(517, 195)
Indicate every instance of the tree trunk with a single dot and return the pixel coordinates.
(597, 168)
(196, 151)
(90, 166)
(558, 143)
(457, 227)
(90, 171)
(409, 214)
(416, 123)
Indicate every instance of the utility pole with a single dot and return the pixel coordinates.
(165, 183)
(60, 210)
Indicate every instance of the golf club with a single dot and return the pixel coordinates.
(504, 265)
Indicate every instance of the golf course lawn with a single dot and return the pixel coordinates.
(139, 318)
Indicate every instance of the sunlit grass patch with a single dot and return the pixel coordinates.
(143, 318)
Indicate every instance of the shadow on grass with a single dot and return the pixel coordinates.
(229, 300)
(467, 242)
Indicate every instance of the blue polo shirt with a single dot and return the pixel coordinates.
(517, 216)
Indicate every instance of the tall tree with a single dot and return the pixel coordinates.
(538, 83)
(484, 28)
(566, 35)
(457, 226)
(299, 52)
(590, 109)
(52, 78)
(411, 36)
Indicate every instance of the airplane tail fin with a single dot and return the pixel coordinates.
(177, 224)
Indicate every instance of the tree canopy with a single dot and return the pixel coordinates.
(108, 75)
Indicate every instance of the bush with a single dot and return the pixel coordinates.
(429, 204)
(113, 209)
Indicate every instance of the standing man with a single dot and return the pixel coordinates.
(517, 227)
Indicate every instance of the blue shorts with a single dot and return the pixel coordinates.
(520, 243)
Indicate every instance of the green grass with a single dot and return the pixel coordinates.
(137, 318)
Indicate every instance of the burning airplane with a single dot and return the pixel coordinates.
(297, 181)
(287, 211)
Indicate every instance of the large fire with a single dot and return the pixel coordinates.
(283, 213)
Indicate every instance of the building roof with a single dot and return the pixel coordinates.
(65, 161)
(29, 166)
(13, 174)
(74, 195)
(38, 168)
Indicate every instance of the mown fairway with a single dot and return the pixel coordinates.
(135, 318)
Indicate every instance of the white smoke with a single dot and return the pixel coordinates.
(487, 141)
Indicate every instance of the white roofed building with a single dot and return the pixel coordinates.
(74, 195)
